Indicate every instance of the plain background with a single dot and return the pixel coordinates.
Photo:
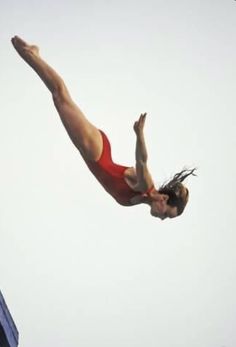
(76, 268)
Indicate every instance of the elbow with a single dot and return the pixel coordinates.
(141, 162)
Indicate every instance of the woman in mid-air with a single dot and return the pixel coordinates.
(127, 185)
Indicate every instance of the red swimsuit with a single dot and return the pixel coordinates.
(111, 175)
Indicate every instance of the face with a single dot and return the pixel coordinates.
(161, 209)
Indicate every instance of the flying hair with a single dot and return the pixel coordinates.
(178, 194)
(179, 177)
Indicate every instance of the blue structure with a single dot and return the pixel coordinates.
(8, 331)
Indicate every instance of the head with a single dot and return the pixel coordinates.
(173, 197)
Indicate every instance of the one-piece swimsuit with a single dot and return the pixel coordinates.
(111, 175)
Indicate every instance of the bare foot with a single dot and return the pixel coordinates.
(27, 52)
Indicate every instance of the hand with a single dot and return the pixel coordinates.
(139, 124)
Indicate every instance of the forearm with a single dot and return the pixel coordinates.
(144, 179)
(141, 155)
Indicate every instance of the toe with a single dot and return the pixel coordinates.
(19, 39)
(13, 41)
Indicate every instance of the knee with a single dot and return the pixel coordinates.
(60, 94)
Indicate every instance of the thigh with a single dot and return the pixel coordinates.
(85, 136)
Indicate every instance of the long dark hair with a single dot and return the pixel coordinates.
(178, 195)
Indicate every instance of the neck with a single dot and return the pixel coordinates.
(154, 195)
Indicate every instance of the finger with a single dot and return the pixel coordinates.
(143, 117)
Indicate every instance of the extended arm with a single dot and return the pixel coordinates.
(144, 179)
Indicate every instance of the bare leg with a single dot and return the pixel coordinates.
(85, 136)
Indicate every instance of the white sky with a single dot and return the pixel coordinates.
(76, 268)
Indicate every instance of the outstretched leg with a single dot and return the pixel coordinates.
(85, 136)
